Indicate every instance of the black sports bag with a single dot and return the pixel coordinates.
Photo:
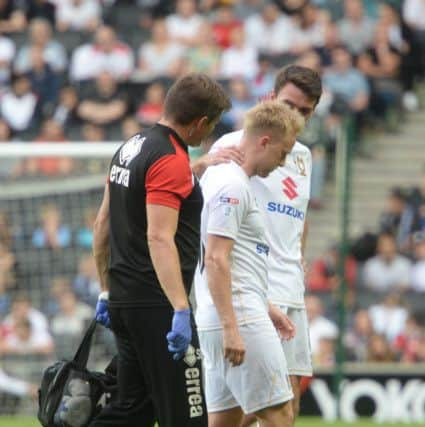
(70, 395)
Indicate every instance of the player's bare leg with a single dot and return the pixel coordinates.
(296, 389)
(229, 418)
(276, 416)
(249, 420)
(280, 416)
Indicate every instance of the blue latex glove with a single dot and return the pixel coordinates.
(102, 315)
(180, 335)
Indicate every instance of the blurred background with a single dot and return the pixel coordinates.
(93, 73)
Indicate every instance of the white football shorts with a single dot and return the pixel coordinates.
(259, 382)
(298, 350)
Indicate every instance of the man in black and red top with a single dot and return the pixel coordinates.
(148, 228)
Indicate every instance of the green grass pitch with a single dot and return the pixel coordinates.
(302, 422)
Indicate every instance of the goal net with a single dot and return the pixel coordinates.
(49, 196)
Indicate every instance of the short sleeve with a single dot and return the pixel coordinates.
(226, 210)
(168, 181)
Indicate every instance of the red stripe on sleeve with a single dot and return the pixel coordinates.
(169, 180)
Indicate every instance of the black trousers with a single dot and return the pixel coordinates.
(152, 387)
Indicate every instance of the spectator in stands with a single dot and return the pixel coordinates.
(106, 54)
(17, 387)
(398, 218)
(379, 350)
(275, 29)
(65, 111)
(358, 336)
(320, 327)
(309, 31)
(242, 100)
(246, 8)
(86, 284)
(291, 7)
(205, 56)
(69, 324)
(51, 132)
(57, 285)
(7, 53)
(417, 278)
(401, 39)
(389, 316)
(162, 55)
(7, 276)
(346, 83)
(21, 309)
(414, 16)
(106, 104)
(408, 341)
(312, 59)
(129, 127)
(54, 53)
(380, 63)
(93, 133)
(183, 26)
(43, 9)
(84, 236)
(153, 9)
(12, 18)
(325, 354)
(44, 81)
(417, 202)
(356, 29)
(223, 24)
(331, 40)
(387, 270)
(78, 15)
(26, 341)
(52, 233)
(18, 105)
(150, 110)
(6, 236)
(419, 355)
(420, 217)
(9, 168)
(322, 275)
(240, 59)
(263, 82)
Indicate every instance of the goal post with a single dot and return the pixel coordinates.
(49, 196)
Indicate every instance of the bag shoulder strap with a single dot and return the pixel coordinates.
(83, 352)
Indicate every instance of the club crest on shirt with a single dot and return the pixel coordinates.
(299, 163)
(131, 149)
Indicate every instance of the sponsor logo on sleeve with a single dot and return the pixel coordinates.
(229, 200)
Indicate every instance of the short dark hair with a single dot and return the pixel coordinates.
(193, 96)
(398, 193)
(303, 78)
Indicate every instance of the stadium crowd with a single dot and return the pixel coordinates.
(386, 283)
(98, 70)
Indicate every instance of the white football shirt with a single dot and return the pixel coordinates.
(230, 211)
(283, 196)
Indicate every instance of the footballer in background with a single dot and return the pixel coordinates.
(284, 197)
